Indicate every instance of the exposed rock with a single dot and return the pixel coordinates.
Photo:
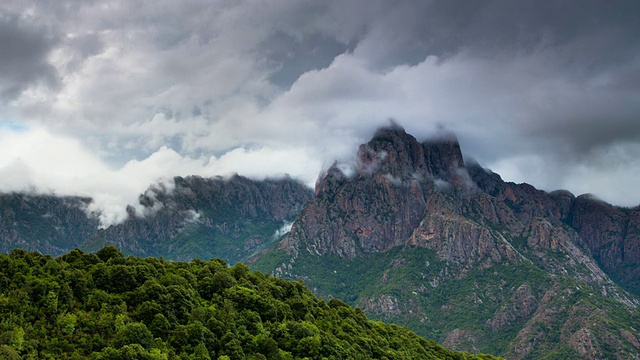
(47, 224)
(630, 338)
(458, 240)
(612, 235)
(393, 170)
(584, 343)
(395, 198)
(389, 200)
(520, 307)
(382, 305)
(461, 339)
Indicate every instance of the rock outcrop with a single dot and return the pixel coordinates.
(400, 174)
(228, 218)
(609, 234)
(612, 235)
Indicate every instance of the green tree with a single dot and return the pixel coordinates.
(67, 323)
(200, 353)
(160, 326)
(222, 280)
(76, 307)
(136, 333)
(110, 252)
(8, 353)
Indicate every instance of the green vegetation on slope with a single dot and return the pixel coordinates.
(489, 309)
(202, 241)
(108, 306)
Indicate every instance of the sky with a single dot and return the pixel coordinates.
(103, 98)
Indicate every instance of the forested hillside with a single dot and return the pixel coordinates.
(108, 306)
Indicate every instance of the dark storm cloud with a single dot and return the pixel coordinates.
(582, 59)
(542, 91)
(292, 57)
(547, 91)
(590, 49)
(598, 120)
(23, 57)
(588, 32)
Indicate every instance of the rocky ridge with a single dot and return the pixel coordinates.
(392, 168)
(229, 218)
(404, 193)
(468, 242)
(205, 218)
(41, 223)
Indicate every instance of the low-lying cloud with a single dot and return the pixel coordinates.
(59, 165)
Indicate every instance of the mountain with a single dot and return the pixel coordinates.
(47, 224)
(612, 235)
(228, 218)
(108, 306)
(413, 235)
(207, 218)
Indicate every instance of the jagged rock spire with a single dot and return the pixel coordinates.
(392, 151)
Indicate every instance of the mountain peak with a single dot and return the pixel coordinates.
(394, 177)
(389, 130)
(394, 152)
(391, 151)
(444, 153)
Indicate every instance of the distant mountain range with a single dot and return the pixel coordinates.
(411, 234)
(205, 218)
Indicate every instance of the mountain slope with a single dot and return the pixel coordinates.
(205, 218)
(612, 235)
(47, 224)
(416, 237)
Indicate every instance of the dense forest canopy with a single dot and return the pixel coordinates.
(109, 306)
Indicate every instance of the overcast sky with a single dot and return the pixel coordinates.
(102, 98)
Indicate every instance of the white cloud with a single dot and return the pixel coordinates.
(37, 160)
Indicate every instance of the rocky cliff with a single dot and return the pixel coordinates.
(612, 235)
(609, 234)
(413, 234)
(403, 192)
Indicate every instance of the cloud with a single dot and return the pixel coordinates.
(114, 95)
(35, 160)
(23, 63)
